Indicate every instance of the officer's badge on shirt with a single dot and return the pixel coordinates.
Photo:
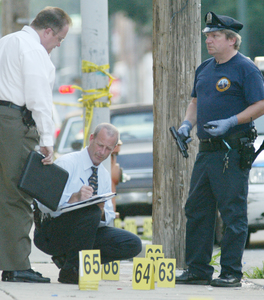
(223, 84)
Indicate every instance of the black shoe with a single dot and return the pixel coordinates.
(190, 278)
(59, 261)
(226, 280)
(24, 276)
(69, 276)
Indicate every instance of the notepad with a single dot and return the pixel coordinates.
(93, 200)
(45, 183)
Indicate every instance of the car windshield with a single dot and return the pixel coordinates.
(75, 133)
(134, 126)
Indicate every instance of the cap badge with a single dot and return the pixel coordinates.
(209, 18)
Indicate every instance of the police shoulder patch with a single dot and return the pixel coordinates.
(223, 84)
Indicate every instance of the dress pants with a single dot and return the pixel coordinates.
(211, 187)
(79, 230)
(16, 216)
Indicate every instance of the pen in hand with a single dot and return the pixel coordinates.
(86, 185)
(82, 181)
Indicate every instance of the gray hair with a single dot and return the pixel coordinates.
(111, 130)
(232, 34)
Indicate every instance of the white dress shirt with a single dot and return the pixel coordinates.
(27, 76)
(79, 166)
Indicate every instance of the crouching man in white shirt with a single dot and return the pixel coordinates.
(64, 235)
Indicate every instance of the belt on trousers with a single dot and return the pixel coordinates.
(11, 105)
(215, 145)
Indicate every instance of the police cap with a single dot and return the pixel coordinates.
(216, 22)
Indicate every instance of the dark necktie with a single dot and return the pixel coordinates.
(93, 180)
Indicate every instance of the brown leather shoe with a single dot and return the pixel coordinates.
(24, 276)
(69, 276)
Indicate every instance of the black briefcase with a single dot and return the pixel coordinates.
(45, 183)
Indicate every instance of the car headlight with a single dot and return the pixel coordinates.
(256, 175)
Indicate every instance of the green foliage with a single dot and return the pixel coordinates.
(141, 12)
(223, 7)
(214, 261)
(138, 10)
(256, 273)
(253, 19)
(70, 6)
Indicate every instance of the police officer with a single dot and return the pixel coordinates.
(228, 95)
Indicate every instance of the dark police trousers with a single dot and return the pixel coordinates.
(211, 187)
(78, 230)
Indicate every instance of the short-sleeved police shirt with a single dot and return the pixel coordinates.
(224, 90)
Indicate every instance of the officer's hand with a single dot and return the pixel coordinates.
(184, 131)
(220, 127)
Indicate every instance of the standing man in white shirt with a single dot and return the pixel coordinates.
(63, 235)
(27, 76)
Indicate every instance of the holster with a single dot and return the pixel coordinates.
(27, 117)
(247, 153)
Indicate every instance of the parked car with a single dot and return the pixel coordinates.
(135, 124)
(256, 186)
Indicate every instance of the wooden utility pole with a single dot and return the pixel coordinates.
(176, 54)
(15, 14)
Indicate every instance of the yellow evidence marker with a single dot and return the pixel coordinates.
(130, 225)
(89, 269)
(147, 227)
(111, 270)
(153, 249)
(118, 223)
(143, 274)
(155, 257)
(165, 270)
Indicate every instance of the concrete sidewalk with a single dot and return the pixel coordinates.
(122, 289)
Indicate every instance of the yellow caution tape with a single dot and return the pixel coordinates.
(67, 104)
(89, 104)
(89, 67)
(88, 101)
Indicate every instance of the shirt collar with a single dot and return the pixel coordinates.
(32, 32)
(87, 162)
